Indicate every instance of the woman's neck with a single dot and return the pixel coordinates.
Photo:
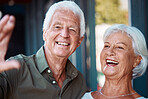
(117, 87)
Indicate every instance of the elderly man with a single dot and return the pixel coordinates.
(48, 74)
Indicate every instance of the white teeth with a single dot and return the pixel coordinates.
(110, 61)
(61, 43)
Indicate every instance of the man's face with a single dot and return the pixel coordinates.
(63, 34)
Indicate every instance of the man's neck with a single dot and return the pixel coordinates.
(57, 66)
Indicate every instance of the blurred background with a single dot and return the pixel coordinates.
(99, 14)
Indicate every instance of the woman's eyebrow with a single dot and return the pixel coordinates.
(122, 43)
(106, 42)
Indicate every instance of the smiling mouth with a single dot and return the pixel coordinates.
(111, 62)
(63, 43)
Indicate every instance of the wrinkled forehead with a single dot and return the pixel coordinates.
(64, 10)
(65, 13)
(119, 37)
(110, 32)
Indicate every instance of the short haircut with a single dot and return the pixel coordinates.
(70, 5)
(138, 43)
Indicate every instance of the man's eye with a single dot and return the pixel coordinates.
(72, 29)
(57, 26)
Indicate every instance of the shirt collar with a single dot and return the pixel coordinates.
(71, 71)
(41, 60)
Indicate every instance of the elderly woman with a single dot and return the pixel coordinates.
(123, 58)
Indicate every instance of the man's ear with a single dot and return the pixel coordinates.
(44, 34)
(80, 40)
(138, 60)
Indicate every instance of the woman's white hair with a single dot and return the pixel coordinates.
(138, 43)
(70, 5)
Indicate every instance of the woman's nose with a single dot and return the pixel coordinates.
(111, 51)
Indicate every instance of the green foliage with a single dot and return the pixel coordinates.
(108, 11)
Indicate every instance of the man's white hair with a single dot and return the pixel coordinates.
(70, 5)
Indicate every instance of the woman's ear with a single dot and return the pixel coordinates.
(138, 60)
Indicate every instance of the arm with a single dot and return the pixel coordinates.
(7, 24)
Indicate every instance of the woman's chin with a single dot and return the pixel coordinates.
(108, 74)
(109, 71)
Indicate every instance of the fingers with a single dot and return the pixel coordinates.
(3, 21)
(7, 24)
(7, 65)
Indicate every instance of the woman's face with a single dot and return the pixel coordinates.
(117, 57)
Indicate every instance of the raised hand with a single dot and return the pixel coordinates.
(7, 24)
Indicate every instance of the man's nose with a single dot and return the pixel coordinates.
(64, 33)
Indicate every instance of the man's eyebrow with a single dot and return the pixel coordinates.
(75, 27)
(57, 23)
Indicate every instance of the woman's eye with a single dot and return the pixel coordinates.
(106, 46)
(119, 47)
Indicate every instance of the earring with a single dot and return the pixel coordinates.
(134, 65)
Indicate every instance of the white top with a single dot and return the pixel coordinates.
(88, 96)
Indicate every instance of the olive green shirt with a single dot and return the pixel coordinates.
(34, 80)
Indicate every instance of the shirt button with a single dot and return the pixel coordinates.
(53, 82)
(73, 73)
(49, 71)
